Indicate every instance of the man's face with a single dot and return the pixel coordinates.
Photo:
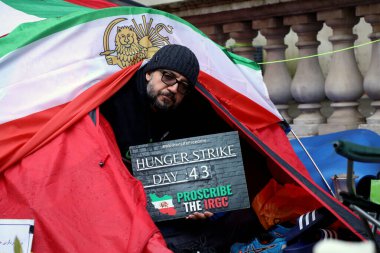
(166, 88)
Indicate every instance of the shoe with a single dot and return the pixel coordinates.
(307, 242)
(274, 246)
(308, 222)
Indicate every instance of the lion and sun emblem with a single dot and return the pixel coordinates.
(134, 43)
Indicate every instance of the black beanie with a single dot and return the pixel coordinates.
(177, 58)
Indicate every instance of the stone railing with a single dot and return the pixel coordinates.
(315, 98)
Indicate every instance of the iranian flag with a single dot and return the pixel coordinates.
(163, 204)
(54, 71)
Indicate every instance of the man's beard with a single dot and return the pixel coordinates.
(161, 105)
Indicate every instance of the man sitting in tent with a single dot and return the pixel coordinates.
(148, 109)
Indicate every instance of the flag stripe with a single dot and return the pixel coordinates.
(249, 113)
(96, 4)
(10, 18)
(16, 12)
(155, 198)
(40, 30)
(158, 204)
(21, 130)
(47, 127)
(242, 60)
(49, 8)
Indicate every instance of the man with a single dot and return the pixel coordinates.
(149, 108)
(146, 108)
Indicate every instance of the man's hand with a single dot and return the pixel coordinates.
(200, 216)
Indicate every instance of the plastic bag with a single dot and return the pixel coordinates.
(278, 203)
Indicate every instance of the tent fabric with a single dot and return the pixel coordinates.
(23, 136)
(236, 103)
(80, 194)
(272, 141)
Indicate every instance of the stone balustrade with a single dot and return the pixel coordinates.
(307, 86)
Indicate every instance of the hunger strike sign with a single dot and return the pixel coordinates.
(190, 175)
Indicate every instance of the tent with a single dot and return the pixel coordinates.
(58, 70)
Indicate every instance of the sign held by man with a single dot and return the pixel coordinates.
(190, 175)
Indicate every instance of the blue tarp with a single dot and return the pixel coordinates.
(330, 163)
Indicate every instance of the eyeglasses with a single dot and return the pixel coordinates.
(169, 79)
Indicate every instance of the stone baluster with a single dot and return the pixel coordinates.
(344, 82)
(371, 15)
(276, 75)
(215, 33)
(243, 35)
(307, 87)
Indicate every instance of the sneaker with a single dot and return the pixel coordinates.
(308, 222)
(306, 243)
(274, 246)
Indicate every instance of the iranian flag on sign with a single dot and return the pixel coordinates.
(163, 204)
(56, 70)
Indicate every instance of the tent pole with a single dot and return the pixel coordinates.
(312, 160)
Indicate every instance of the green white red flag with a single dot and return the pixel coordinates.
(163, 204)
(46, 65)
